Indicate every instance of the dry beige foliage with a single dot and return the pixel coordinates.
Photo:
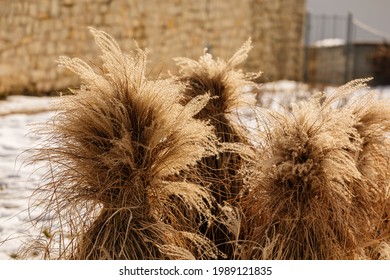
(157, 169)
(312, 192)
(112, 151)
(223, 82)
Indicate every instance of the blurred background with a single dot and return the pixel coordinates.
(313, 41)
(346, 40)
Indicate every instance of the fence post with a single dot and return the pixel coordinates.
(348, 49)
(306, 46)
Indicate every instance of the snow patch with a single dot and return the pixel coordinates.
(330, 42)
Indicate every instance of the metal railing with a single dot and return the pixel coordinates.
(342, 34)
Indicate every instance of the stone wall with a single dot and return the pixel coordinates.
(33, 33)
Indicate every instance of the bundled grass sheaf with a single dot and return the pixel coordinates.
(113, 149)
(311, 190)
(224, 83)
(372, 122)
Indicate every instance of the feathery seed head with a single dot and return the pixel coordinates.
(116, 145)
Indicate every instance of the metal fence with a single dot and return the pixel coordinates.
(345, 27)
(337, 48)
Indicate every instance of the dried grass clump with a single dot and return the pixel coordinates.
(3, 94)
(380, 61)
(113, 149)
(308, 197)
(224, 83)
(372, 122)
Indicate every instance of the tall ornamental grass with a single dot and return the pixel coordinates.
(116, 150)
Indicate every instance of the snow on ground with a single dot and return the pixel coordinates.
(18, 114)
(330, 42)
(17, 180)
(25, 105)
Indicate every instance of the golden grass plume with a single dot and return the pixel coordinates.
(112, 149)
(224, 83)
(308, 196)
(372, 122)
